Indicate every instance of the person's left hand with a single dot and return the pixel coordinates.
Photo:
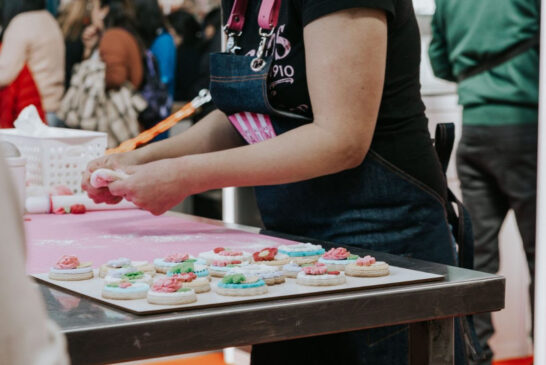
(156, 186)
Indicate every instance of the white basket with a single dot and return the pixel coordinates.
(58, 159)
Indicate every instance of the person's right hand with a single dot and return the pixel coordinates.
(117, 161)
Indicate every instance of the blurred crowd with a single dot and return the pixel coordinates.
(155, 49)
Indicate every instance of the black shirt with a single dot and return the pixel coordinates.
(401, 135)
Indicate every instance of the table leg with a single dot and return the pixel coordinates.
(432, 342)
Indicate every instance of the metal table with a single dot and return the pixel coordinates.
(97, 333)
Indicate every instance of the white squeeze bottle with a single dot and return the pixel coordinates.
(49, 204)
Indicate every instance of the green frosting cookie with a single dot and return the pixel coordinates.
(183, 268)
(133, 275)
(233, 279)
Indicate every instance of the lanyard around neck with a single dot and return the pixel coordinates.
(268, 16)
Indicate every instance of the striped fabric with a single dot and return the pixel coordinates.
(253, 127)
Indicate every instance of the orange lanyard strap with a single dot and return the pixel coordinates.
(163, 126)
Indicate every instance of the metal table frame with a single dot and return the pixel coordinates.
(97, 333)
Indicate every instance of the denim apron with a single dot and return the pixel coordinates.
(374, 206)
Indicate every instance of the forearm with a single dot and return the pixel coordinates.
(303, 153)
(212, 133)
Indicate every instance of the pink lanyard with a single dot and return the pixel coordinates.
(253, 127)
(267, 17)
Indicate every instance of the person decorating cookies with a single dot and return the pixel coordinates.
(319, 108)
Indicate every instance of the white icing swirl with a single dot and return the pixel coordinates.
(292, 266)
(120, 262)
(300, 247)
(118, 273)
(261, 271)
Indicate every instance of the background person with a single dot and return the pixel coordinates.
(113, 30)
(153, 32)
(32, 36)
(497, 154)
(186, 32)
(73, 19)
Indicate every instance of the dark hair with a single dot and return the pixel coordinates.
(186, 26)
(12, 8)
(121, 14)
(150, 20)
(213, 17)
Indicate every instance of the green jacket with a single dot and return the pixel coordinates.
(464, 33)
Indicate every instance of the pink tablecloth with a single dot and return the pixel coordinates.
(138, 235)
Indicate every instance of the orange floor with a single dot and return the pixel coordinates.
(209, 359)
(520, 361)
(218, 359)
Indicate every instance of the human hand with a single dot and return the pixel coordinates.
(90, 38)
(117, 161)
(156, 186)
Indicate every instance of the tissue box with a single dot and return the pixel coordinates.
(59, 157)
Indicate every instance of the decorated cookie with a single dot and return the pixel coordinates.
(201, 271)
(240, 285)
(127, 273)
(318, 275)
(337, 258)
(190, 280)
(125, 290)
(113, 264)
(270, 274)
(367, 267)
(69, 268)
(270, 256)
(118, 263)
(224, 254)
(169, 291)
(291, 270)
(164, 264)
(302, 253)
(219, 268)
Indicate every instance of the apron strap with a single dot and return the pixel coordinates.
(236, 19)
(268, 16)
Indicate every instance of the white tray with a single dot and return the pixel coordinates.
(92, 289)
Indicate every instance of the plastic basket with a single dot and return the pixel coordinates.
(58, 159)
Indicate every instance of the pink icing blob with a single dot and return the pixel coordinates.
(366, 261)
(124, 284)
(166, 285)
(67, 262)
(339, 253)
(185, 277)
(318, 269)
(177, 257)
(230, 253)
